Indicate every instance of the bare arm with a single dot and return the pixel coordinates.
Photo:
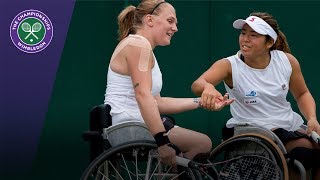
(168, 105)
(302, 95)
(219, 71)
(204, 85)
(142, 83)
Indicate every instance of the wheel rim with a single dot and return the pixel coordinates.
(134, 161)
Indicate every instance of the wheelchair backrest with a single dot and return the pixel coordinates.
(100, 117)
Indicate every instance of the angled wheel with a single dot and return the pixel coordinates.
(249, 156)
(138, 160)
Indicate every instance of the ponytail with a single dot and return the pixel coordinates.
(281, 43)
(125, 22)
(130, 19)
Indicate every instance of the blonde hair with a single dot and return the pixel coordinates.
(130, 18)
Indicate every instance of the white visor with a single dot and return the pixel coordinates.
(258, 25)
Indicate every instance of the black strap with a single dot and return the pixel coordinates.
(161, 139)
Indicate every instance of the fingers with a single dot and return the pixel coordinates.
(208, 100)
(313, 125)
(229, 101)
(225, 97)
(167, 155)
(313, 130)
(318, 129)
(219, 104)
(214, 101)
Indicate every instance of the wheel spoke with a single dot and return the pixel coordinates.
(132, 161)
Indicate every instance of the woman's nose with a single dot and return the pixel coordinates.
(246, 38)
(175, 27)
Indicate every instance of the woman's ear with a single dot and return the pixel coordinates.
(149, 20)
(270, 43)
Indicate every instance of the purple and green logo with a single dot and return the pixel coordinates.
(31, 31)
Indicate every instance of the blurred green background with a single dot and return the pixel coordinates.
(205, 35)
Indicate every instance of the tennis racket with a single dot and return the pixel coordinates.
(212, 174)
(246, 167)
(36, 27)
(250, 167)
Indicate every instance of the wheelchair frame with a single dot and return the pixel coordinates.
(111, 162)
(243, 129)
(110, 156)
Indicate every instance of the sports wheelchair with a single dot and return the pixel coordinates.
(128, 151)
(256, 140)
(125, 151)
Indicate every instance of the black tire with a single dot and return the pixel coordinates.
(131, 160)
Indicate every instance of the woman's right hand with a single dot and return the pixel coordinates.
(212, 99)
(167, 155)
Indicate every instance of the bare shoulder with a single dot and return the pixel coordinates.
(220, 69)
(225, 61)
(291, 58)
(139, 41)
(134, 43)
(223, 64)
(293, 61)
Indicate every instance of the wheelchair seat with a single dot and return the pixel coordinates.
(127, 132)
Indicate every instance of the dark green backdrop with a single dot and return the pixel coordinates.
(205, 35)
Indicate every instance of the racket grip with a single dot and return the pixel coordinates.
(182, 161)
(315, 136)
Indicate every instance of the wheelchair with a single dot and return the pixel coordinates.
(128, 151)
(125, 151)
(256, 140)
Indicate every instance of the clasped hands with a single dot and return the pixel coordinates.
(212, 100)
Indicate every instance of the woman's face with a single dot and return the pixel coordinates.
(165, 25)
(251, 43)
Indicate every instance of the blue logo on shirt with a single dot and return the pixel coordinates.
(251, 94)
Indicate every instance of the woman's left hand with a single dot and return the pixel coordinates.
(313, 125)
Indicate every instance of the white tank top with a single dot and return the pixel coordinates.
(261, 94)
(120, 93)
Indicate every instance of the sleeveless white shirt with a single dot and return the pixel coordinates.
(261, 94)
(120, 93)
